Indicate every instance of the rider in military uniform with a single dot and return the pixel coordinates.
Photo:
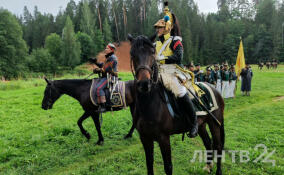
(169, 50)
(105, 68)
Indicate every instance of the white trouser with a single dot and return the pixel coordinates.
(219, 86)
(225, 89)
(232, 88)
(169, 74)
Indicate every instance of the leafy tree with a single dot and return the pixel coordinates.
(53, 44)
(41, 61)
(86, 46)
(70, 55)
(13, 48)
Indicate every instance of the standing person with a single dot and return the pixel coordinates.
(198, 74)
(216, 75)
(190, 67)
(225, 74)
(107, 67)
(233, 80)
(246, 75)
(208, 77)
(169, 56)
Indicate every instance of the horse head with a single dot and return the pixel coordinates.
(143, 61)
(51, 94)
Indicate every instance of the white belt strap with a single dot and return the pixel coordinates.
(165, 45)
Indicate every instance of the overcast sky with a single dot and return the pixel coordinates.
(53, 6)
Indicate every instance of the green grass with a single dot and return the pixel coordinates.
(34, 141)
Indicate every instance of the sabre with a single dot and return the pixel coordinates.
(204, 107)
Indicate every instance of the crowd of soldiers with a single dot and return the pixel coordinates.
(222, 77)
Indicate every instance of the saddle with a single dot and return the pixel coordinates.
(115, 94)
(207, 99)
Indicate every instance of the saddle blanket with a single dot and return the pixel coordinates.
(115, 94)
(208, 99)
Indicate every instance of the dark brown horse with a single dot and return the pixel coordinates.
(152, 118)
(80, 90)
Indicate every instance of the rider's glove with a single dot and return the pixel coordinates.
(160, 58)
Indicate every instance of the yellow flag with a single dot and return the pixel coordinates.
(240, 64)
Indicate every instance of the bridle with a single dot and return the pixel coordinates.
(50, 100)
(153, 70)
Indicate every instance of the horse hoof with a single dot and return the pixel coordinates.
(100, 142)
(127, 136)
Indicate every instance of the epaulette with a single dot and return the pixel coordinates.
(177, 38)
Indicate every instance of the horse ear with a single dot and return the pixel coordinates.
(130, 38)
(47, 81)
(152, 38)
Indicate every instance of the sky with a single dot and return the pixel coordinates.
(53, 6)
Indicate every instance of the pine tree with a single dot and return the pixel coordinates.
(87, 20)
(99, 41)
(107, 32)
(70, 55)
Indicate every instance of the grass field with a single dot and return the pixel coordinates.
(34, 141)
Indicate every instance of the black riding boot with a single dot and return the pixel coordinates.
(191, 117)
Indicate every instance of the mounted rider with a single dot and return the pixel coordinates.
(106, 69)
(169, 50)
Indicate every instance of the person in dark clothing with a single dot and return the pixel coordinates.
(105, 68)
(246, 75)
(198, 74)
(208, 76)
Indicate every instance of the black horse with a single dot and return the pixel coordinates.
(151, 115)
(80, 90)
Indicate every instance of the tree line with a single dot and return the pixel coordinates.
(44, 43)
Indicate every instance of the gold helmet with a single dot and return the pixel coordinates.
(160, 23)
(167, 21)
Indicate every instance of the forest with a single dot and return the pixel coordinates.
(36, 42)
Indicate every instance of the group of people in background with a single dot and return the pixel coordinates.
(222, 77)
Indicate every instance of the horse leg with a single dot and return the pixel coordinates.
(80, 121)
(218, 143)
(148, 145)
(165, 146)
(96, 119)
(129, 135)
(208, 145)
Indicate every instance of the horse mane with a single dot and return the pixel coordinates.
(139, 42)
